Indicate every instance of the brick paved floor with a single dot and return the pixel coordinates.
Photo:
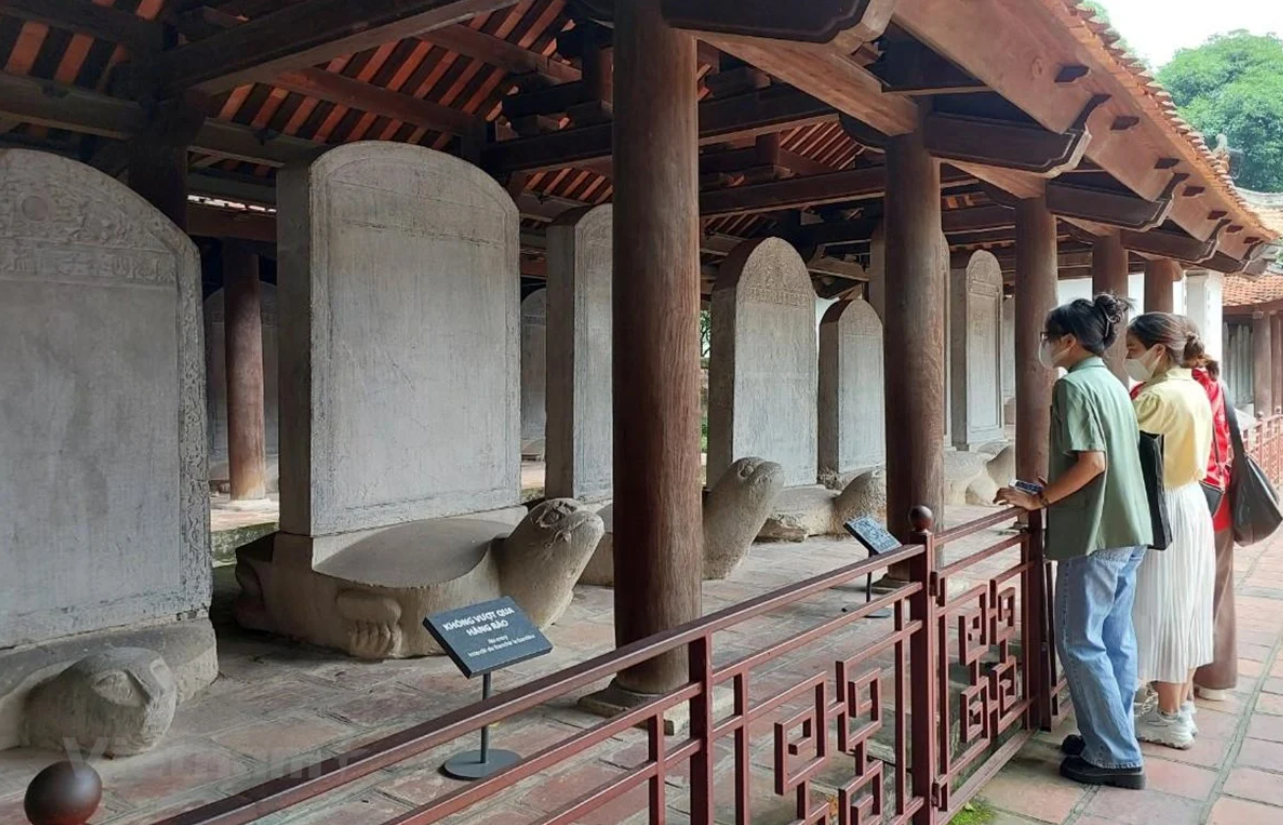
(277, 707)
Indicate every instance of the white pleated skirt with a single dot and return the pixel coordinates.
(1174, 591)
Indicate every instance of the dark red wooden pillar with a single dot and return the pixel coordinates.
(657, 507)
(1109, 274)
(914, 329)
(158, 157)
(158, 172)
(1161, 276)
(1276, 360)
(1262, 364)
(243, 332)
(1037, 274)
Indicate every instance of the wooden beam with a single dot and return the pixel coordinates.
(909, 68)
(302, 34)
(213, 222)
(496, 51)
(1176, 246)
(811, 190)
(830, 74)
(1105, 206)
(726, 119)
(1027, 148)
(378, 100)
(62, 106)
(138, 35)
(813, 21)
(548, 100)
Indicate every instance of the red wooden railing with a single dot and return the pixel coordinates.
(902, 725)
(1263, 440)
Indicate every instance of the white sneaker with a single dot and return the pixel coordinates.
(1146, 699)
(1161, 729)
(1213, 695)
(1188, 711)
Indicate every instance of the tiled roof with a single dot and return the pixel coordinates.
(1157, 102)
(1242, 291)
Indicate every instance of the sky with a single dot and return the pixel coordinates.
(1157, 28)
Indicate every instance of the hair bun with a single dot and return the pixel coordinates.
(1112, 307)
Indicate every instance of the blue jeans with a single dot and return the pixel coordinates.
(1097, 644)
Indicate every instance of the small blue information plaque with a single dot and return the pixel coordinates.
(487, 636)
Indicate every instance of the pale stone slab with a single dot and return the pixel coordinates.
(763, 370)
(976, 384)
(103, 490)
(216, 377)
(1008, 360)
(534, 374)
(852, 410)
(399, 340)
(580, 418)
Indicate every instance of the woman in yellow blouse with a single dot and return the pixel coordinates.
(1174, 588)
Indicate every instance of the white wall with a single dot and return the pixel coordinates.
(1074, 288)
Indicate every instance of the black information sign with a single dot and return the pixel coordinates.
(877, 541)
(487, 636)
(872, 535)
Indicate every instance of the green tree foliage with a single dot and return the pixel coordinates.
(1233, 85)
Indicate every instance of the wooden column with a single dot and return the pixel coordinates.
(1161, 276)
(1276, 360)
(158, 157)
(1109, 274)
(158, 172)
(657, 506)
(243, 332)
(914, 330)
(1262, 364)
(1036, 279)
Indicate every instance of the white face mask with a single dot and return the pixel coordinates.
(1046, 356)
(1140, 369)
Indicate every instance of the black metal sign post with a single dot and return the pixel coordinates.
(480, 639)
(877, 541)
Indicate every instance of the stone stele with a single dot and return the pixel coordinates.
(580, 419)
(370, 599)
(400, 365)
(118, 702)
(103, 493)
(399, 341)
(763, 364)
(976, 352)
(534, 375)
(852, 409)
(734, 511)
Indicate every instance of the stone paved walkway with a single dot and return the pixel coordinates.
(1232, 776)
(277, 707)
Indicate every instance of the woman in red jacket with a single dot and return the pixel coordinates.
(1216, 681)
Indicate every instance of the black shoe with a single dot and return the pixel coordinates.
(1074, 745)
(1080, 770)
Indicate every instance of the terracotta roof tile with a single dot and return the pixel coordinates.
(1242, 291)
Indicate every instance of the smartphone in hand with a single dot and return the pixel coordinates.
(1027, 487)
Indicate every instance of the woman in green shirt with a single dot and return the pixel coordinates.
(1098, 528)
